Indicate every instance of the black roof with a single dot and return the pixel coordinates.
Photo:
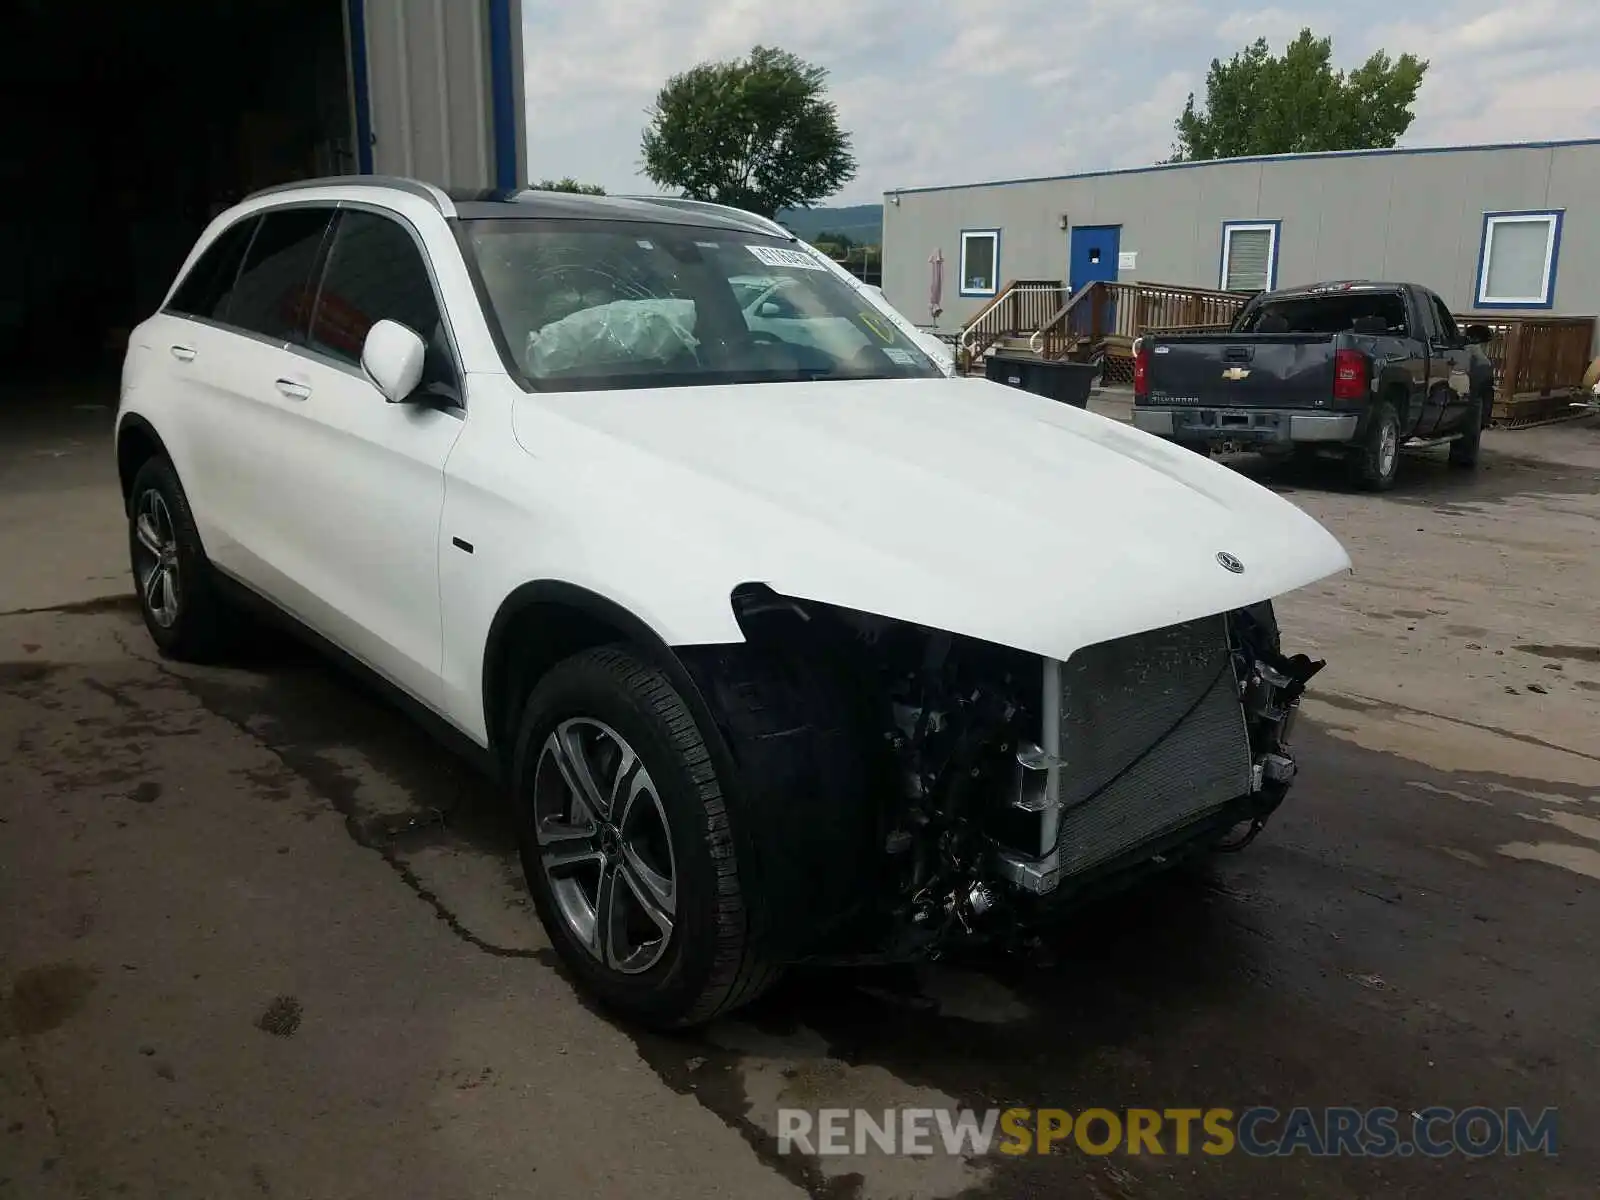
(481, 203)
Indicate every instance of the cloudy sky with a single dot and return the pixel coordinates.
(953, 91)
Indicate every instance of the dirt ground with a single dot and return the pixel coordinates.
(260, 940)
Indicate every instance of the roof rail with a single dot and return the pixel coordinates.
(427, 191)
(765, 224)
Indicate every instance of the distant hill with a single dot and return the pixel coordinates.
(859, 222)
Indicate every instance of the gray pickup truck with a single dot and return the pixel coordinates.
(1363, 369)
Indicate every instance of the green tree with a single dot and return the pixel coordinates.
(1296, 102)
(757, 133)
(568, 184)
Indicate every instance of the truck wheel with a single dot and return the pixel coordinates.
(1375, 463)
(626, 842)
(1464, 450)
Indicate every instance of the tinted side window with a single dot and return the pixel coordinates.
(375, 272)
(273, 294)
(206, 289)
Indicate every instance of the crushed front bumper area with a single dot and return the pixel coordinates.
(1251, 427)
(1161, 740)
(1188, 841)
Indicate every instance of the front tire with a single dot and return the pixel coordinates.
(171, 574)
(626, 842)
(1375, 463)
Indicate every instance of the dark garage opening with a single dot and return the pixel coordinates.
(128, 126)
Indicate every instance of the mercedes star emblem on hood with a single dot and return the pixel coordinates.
(1230, 562)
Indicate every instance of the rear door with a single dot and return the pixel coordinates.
(189, 343)
(245, 403)
(368, 488)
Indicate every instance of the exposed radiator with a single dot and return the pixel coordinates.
(1152, 736)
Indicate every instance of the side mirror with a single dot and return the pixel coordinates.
(1479, 335)
(393, 357)
(768, 309)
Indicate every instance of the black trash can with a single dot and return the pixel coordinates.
(1066, 382)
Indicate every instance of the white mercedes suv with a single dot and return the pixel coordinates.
(785, 645)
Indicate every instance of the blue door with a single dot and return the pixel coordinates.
(1093, 257)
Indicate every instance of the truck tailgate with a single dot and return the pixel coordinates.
(1241, 370)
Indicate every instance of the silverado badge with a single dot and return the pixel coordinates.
(1236, 373)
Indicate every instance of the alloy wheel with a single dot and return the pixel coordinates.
(605, 845)
(155, 559)
(1388, 448)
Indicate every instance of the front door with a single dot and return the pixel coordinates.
(369, 492)
(1449, 375)
(1093, 259)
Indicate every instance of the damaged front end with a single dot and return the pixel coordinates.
(1008, 786)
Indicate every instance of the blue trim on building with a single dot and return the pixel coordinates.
(961, 265)
(1259, 158)
(359, 84)
(1478, 280)
(503, 95)
(1250, 223)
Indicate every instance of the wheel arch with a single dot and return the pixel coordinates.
(1397, 390)
(137, 442)
(543, 621)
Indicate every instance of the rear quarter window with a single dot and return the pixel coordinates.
(207, 288)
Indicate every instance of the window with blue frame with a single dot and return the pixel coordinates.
(980, 262)
(1517, 260)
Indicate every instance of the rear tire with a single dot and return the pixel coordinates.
(172, 577)
(1464, 450)
(671, 943)
(1375, 462)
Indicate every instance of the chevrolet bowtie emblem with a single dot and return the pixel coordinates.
(1236, 373)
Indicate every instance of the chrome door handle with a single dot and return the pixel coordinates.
(293, 390)
(183, 353)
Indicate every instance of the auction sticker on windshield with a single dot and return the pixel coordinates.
(777, 256)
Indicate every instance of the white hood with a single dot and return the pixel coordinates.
(954, 503)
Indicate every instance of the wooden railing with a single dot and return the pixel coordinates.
(1021, 307)
(1126, 310)
(1535, 358)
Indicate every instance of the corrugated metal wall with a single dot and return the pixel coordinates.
(443, 86)
(1402, 215)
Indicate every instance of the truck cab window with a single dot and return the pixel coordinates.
(1448, 332)
(1331, 314)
